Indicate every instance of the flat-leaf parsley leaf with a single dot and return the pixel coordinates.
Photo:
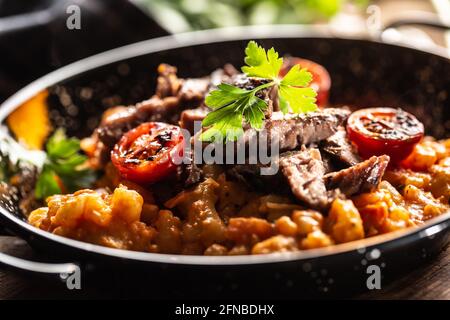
(231, 105)
(63, 165)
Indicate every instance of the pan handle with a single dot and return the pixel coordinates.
(97, 13)
(24, 22)
(67, 272)
(419, 18)
(414, 18)
(29, 22)
(39, 267)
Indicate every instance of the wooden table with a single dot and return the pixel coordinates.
(427, 282)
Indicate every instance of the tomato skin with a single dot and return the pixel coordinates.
(370, 143)
(368, 147)
(143, 140)
(321, 81)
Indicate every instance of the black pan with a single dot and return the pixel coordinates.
(365, 72)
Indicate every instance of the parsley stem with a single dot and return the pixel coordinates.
(263, 86)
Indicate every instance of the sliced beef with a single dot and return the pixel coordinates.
(154, 109)
(328, 162)
(248, 83)
(300, 173)
(340, 148)
(190, 173)
(222, 75)
(304, 171)
(301, 129)
(194, 174)
(189, 91)
(193, 91)
(360, 178)
(190, 116)
(172, 96)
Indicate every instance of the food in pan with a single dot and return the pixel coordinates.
(145, 180)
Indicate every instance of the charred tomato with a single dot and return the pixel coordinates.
(146, 153)
(378, 131)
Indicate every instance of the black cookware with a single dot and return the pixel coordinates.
(365, 72)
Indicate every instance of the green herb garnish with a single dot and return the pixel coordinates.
(64, 162)
(231, 105)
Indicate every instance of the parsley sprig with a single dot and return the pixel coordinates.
(63, 163)
(231, 105)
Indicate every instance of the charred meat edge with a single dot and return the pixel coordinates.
(304, 171)
(300, 172)
(360, 178)
(340, 148)
(295, 130)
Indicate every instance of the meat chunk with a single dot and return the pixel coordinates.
(190, 173)
(190, 116)
(193, 91)
(172, 96)
(248, 83)
(294, 130)
(340, 148)
(304, 171)
(154, 109)
(360, 178)
(329, 162)
(168, 84)
(223, 75)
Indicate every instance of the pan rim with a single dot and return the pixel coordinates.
(190, 39)
(429, 228)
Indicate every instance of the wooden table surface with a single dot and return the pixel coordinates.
(431, 281)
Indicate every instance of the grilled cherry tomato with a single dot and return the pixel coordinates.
(377, 131)
(145, 154)
(321, 81)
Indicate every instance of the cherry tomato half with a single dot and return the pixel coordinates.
(377, 131)
(321, 81)
(145, 154)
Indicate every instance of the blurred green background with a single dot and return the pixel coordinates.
(186, 15)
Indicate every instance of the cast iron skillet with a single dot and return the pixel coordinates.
(364, 73)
